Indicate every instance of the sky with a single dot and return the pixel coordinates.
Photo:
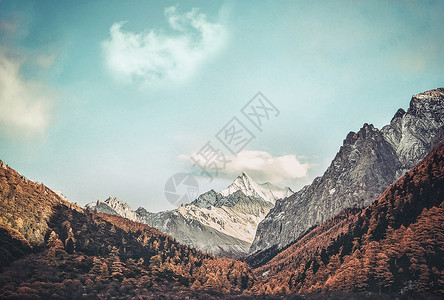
(101, 98)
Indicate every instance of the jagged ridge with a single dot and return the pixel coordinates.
(368, 162)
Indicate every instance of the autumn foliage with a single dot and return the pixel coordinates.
(52, 249)
(394, 246)
(71, 253)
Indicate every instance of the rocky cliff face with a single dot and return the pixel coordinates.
(216, 224)
(191, 231)
(378, 248)
(410, 133)
(366, 164)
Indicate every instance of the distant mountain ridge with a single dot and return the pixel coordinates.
(114, 206)
(221, 223)
(367, 163)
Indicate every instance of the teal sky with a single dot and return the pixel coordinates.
(102, 98)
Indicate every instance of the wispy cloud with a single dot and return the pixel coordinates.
(25, 105)
(262, 166)
(154, 55)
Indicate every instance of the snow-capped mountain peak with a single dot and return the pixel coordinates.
(249, 187)
(222, 223)
(114, 205)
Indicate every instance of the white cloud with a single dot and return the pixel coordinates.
(262, 166)
(25, 105)
(153, 55)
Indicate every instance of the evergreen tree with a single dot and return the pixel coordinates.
(69, 247)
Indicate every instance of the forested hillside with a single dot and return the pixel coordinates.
(394, 246)
(69, 252)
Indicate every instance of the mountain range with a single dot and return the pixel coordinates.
(370, 227)
(53, 249)
(221, 223)
(248, 217)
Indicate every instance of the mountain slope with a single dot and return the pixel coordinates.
(114, 206)
(53, 249)
(29, 219)
(367, 162)
(221, 223)
(189, 231)
(396, 245)
(217, 224)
